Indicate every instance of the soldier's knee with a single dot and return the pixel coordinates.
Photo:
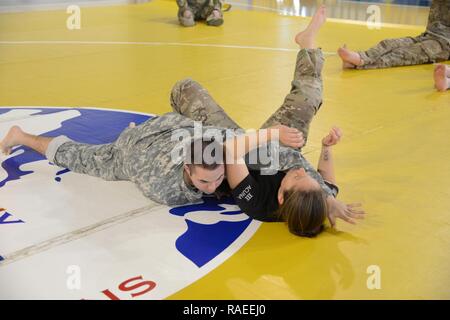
(183, 88)
(177, 91)
(182, 85)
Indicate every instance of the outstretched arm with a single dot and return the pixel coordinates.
(337, 209)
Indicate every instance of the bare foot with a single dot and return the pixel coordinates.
(441, 81)
(215, 18)
(350, 59)
(216, 14)
(11, 140)
(132, 125)
(305, 38)
(187, 14)
(187, 18)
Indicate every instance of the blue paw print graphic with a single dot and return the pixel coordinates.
(203, 241)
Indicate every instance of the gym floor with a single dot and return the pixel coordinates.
(393, 157)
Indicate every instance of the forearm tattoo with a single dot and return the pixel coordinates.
(325, 155)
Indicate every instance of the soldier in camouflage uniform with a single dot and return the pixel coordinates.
(431, 46)
(143, 154)
(190, 11)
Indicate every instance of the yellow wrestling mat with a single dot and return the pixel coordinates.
(393, 157)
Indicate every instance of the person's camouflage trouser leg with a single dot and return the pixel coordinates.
(191, 100)
(106, 161)
(103, 160)
(431, 46)
(425, 48)
(305, 97)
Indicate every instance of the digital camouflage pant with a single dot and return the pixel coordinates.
(431, 46)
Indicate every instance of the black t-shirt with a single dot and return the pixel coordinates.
(257, 195)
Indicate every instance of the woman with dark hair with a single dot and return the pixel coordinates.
(291, 196)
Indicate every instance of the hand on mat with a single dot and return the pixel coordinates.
(332, 138)
(290, 137)
(346, 212)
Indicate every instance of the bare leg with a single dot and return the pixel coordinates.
(442, 77)
(16, 136)
(306, 38)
